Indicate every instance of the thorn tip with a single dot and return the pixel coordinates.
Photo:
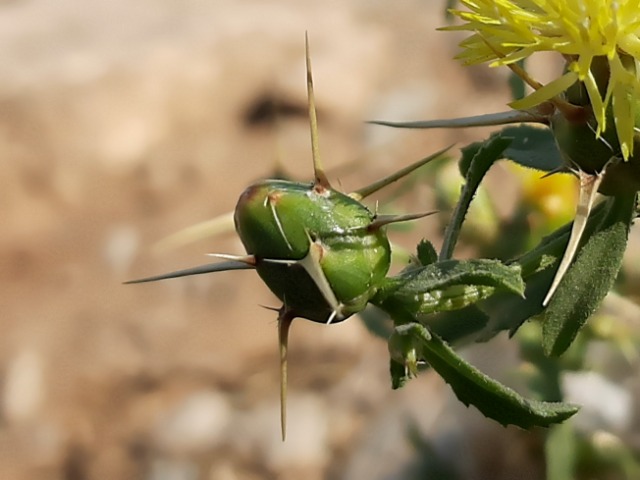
(285, 318)
(320, 178)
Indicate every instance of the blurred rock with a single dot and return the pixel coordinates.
(603, 404)
(173, 470)
(24, 390)
(256, 432)
(120, 249)
(198, 423)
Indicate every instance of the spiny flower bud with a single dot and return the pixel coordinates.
(318, 250)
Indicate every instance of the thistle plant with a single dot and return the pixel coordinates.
(326, 255)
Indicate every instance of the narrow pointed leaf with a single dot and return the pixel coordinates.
(472, 387)
(447, 285)
(590, 278)
(531, 147)
(508, 311)
(482, 158)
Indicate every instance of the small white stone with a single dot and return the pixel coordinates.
(604, 405)
(24, 387)
(121, 247)
(198, 423)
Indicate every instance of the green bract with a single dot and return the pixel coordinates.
(318, 250)
(575, 132)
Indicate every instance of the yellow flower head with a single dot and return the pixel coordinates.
(506, 31)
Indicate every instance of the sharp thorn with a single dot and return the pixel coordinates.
(382, 220)
(199, 270)
(284, 323)
(557, 170)
(280, 261)
(491, 119)
(247, 259)
(311, 263)
(273, 309)
(321, 181)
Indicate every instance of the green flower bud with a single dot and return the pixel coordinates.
(318, 250)
(578, 144)
(581, 147)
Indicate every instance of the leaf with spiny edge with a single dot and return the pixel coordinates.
(588, 190)
(447, 285)
(472, 387)
(426, 252)
(476, 161)
(508, 311)
(590, 278)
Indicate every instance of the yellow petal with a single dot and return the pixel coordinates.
(547, 92)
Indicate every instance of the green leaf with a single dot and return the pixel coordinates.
(472, 387)
(458, 326)
(446, 285)
(508, 311)
(476, 161)
(426, 252)
(533, 147)
(590, 278)
(551, 248)
(468, 154)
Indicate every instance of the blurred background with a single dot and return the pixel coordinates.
(124, 122)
